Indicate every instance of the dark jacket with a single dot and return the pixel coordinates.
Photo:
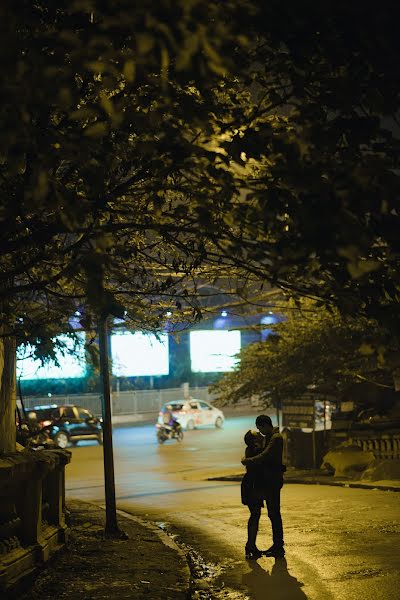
(269, 462)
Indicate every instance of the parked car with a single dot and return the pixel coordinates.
(193, 413)
(67, 423)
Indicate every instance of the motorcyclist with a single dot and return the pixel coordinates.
(170, 420)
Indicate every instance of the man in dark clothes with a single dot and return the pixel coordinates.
(271, 480)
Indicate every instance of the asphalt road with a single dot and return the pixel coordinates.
(341, 543)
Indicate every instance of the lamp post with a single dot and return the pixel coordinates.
(111, 529)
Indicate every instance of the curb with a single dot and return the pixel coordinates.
(346, 484)
(132, 419)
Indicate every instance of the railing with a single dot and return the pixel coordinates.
(32, 511)
(123, 403)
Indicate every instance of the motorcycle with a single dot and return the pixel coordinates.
(35, 438)
(165, 432)
(29, 433)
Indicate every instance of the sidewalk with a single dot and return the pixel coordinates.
(319, 477)
(147, 565)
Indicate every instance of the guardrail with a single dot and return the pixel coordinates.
(32, 511)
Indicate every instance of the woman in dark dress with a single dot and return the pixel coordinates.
(250, 491)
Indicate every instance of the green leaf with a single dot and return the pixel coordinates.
(366, 349)
(129, 70)
(83, 114)
(362, 267)
(144, 43)
(97, 130)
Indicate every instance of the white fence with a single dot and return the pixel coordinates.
(123, 403)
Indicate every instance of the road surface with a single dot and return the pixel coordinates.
(341, 543)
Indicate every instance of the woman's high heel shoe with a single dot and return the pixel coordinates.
(252, 554)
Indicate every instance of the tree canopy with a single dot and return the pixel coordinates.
(320, 213)
(109, 161)
(311, 349)
(142, 143)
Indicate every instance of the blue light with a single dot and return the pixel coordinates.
(224, 313)
(268, 320)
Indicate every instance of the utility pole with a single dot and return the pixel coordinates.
(111, 529)
(314, 445)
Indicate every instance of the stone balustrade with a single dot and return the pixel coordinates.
(32, 511)
(298, 445)
(384, 446)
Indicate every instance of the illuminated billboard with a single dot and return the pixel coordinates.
(214, 351)
(139, 354)
(71, 365)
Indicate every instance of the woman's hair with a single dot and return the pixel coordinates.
(250, 437)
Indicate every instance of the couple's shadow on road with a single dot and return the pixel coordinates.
(272, 584)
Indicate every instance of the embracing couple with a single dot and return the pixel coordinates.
(262, 484)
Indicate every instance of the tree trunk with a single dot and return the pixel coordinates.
(8, 363)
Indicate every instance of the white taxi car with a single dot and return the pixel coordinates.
(193, 413)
